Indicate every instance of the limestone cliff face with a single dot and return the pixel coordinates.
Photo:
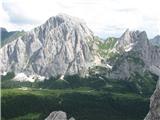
(62, 45)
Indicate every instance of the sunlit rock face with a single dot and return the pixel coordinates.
(62, 45)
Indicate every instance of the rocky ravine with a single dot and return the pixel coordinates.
(62, 45)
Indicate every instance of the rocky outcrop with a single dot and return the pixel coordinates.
(154, 112)
(58, 115)
(62, 45)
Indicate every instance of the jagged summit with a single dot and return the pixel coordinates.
(135, 53)
(132, 36)
(129, 39)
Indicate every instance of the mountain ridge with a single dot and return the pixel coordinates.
(70, 37)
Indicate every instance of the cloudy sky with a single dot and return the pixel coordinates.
(104, 17)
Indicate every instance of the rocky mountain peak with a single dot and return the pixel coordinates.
(62, 45)
(64, 20)
(133, 36)
(65, 17)
(134, 45)
(130, 39)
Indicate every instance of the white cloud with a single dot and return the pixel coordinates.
(104, 17)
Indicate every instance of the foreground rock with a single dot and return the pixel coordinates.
(154, 113)
(58, 115)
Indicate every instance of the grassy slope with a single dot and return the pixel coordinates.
(83, 104)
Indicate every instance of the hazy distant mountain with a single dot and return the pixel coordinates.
(7, 37)
(156, 40)
(5, 34)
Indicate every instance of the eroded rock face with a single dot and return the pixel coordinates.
(58, 115)
(62, 45)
